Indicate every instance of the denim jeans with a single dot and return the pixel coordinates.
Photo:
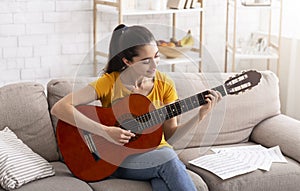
(161, 167)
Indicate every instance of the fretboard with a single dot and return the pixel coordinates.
(179, 107)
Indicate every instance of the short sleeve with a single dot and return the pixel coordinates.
(167, 85)
(171, 93)
(103, 85)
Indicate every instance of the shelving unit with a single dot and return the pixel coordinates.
(272, 39)
(116, 7)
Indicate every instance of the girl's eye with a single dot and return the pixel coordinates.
(147, 61)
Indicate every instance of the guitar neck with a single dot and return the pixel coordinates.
(158, 116)
(189, 103)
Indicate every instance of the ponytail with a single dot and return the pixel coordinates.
(125, 42)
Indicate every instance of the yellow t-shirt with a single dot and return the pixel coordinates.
(109, 88)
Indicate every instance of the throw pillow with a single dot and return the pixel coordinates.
(18, 163)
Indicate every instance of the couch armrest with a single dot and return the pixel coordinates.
(279, 130)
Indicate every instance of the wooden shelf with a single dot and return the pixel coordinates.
(271, 55)
(114, 7)
(231, 48)
(114, 10)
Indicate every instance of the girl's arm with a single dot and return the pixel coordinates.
(65, 109)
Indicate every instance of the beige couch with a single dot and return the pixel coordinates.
(250, 118)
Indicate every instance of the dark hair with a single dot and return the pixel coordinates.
(125, 42)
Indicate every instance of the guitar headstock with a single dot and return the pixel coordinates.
(242, 82)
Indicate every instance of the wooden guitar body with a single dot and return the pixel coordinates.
(83, 162)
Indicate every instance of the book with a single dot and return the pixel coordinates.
(176, 4)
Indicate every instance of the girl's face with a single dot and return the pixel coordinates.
(146, 62)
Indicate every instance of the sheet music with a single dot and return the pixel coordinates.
(222, 165)
(232, 161)
(276, 155)
(255, 155)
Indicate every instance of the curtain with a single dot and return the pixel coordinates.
(290, 62)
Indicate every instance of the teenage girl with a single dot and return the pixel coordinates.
(132, 68)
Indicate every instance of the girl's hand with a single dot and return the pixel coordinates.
(118, 136)
(212, 99)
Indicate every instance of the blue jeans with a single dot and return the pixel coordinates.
(161, 167)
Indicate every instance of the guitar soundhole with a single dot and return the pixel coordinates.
(137, 136)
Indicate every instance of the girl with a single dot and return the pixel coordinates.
(132, 68)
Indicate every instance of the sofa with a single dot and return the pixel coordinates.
(249, 118)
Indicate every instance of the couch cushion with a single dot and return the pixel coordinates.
(279, 130)
(58, 88)
(234, 118)
(24, 108)
(114, 184)
(282, 176)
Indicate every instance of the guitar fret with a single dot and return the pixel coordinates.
(188, 103)
(175, 110)
(168, 110)
(220, 89)
(178, 108)
(159, 116)
(201, 98)
(195, 102)
(147, 118)
(186, 106)
(153, 117)
(162, 114)
(171, 110)
(166, 113)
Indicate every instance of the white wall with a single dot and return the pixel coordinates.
(40, 39)
(43, 39)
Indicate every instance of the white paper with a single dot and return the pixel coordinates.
(259, 159)
(276, 155)
(223, 166)
(255, 155)
(232, 161)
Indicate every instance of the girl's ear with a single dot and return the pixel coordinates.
(126, 61)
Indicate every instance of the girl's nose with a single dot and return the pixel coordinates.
(154, 62)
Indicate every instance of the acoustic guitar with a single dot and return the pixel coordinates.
(91, 158)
